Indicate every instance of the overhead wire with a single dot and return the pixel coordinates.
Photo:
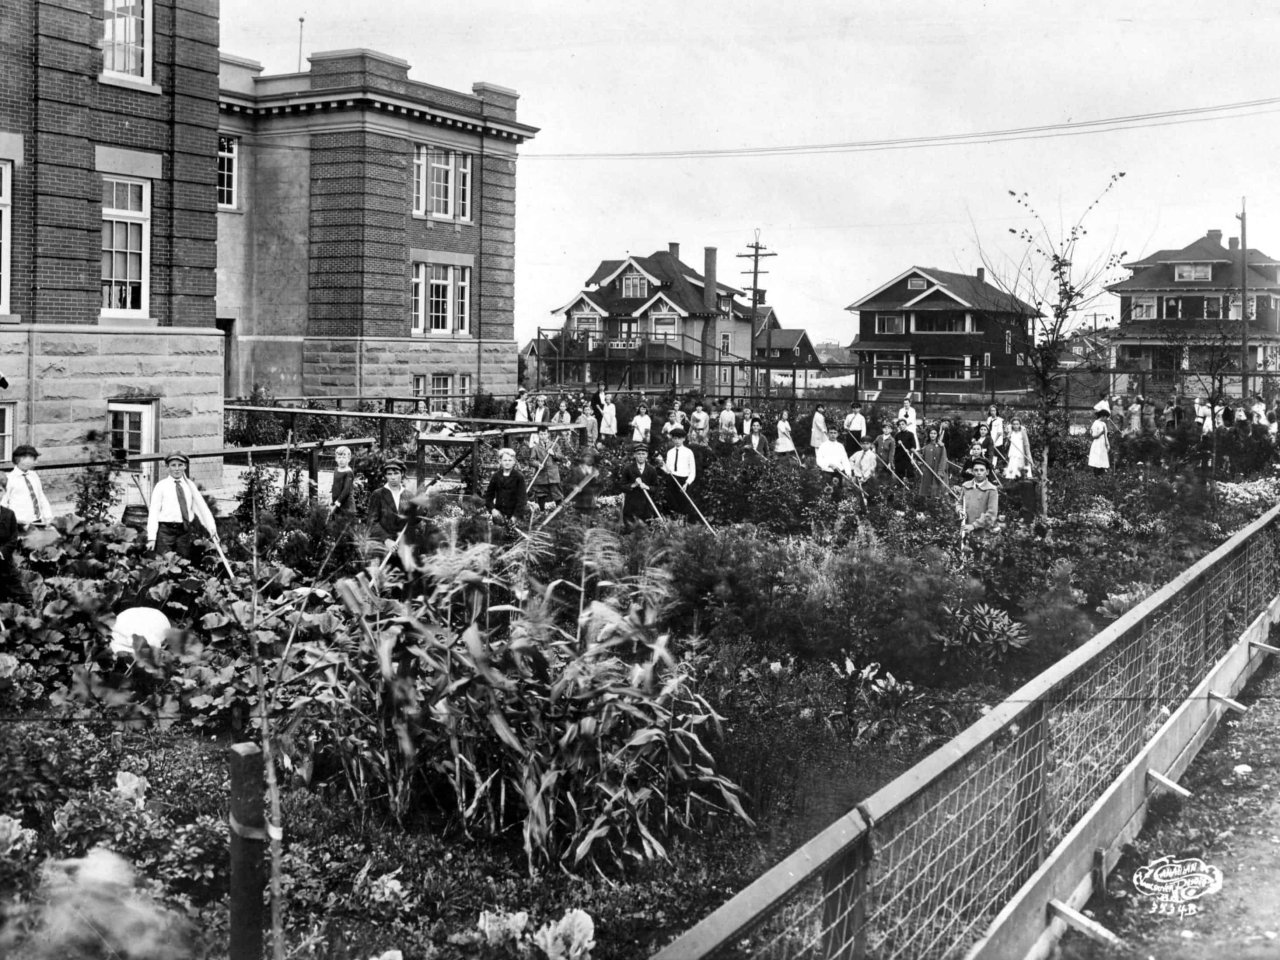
(1162, 118)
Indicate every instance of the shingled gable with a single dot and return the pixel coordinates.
(1156, 273)
(676, 281)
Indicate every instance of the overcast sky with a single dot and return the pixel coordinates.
(609, 77)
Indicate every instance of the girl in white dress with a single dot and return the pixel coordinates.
(818, 432)
(1100, 448)
(641, 425)
(785, 446)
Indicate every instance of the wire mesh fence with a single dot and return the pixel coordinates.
(938, 852)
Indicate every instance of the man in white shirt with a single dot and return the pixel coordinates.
(177, 512)
(681, 468)
(25, 496)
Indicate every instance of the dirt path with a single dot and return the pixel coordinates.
(1231, 822)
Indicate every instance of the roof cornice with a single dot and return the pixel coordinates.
(362, 98)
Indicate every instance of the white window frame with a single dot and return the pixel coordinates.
(1172, 308)
(697, 372)
(917, 283)
(634, 285)
(420, 385)
(1217, 308)
(986, 360)
(228, 171)
(111, 21)
(441, 392)
(724, 374)
(724, 304)
(148, 438)
(439, 283)
(725, 344)
(6, 232)
(464, 387)
(1008, 342)
(881, 362)
(1022, 359)
(8, 427)
(1185, 272)
(665, 326)
(1142, 308)
(142, 218)
(898, 322)
(441, 183)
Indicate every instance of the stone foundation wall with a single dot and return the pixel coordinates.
(387, 366)
(61, 378)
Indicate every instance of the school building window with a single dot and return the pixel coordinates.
(6, 229)
(131, 431)
(228, 157)
(441, 183)
(126, 38)
(126, 246)
(441, 299)
(7, 411)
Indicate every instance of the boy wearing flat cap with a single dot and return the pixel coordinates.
(177, 513)
(980, 498)
(25, 496)
(386, 504)
(681, 468)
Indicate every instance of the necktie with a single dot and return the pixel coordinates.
(182, 503)
(35, 501)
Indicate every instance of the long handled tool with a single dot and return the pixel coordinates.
(582, 485)
(924, 463)
(681, 488)
(890, 469)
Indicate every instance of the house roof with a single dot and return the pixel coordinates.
(1206, 249)
(676, 280)
(966, 288)
(1159, 277)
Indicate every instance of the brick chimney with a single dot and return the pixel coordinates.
(674, 250)
(982, 274)
(709, 279)
(1214, 236)
(1233, 243)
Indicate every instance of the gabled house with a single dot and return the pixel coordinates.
(649, 321)
(1180, 309)
(776, 348)
(955, 330)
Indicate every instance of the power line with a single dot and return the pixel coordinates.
(1042, 131)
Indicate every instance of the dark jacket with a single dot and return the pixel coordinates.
(506, 493)
(385, 521)
(634, 503)
(344, 485)
(8, 533)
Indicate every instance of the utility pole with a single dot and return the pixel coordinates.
(1244, 305)
(756, 251)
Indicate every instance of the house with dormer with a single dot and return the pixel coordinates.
(649, 321)
(956, 331)
(1180, 309)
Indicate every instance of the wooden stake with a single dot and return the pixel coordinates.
(248, 835)
(1172, 786)
(1090, 928)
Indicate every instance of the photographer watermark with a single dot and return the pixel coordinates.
(1174, 886)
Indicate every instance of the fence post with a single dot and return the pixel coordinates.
(313, 472)
(1030, 796)
(844, 902)
(422, 463)
(475, 467)
(388, 406)
(248, 845)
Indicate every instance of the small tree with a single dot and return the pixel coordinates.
(1046, 277)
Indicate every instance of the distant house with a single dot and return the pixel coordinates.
(955, 330)
(781, 349)
(646, 322)
(1180, 309)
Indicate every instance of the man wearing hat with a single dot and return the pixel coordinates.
(980, 498)
(681, 469)
(25, 496)
(177, 512)
(386, 504)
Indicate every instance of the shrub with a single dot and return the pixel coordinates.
(980, 635)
